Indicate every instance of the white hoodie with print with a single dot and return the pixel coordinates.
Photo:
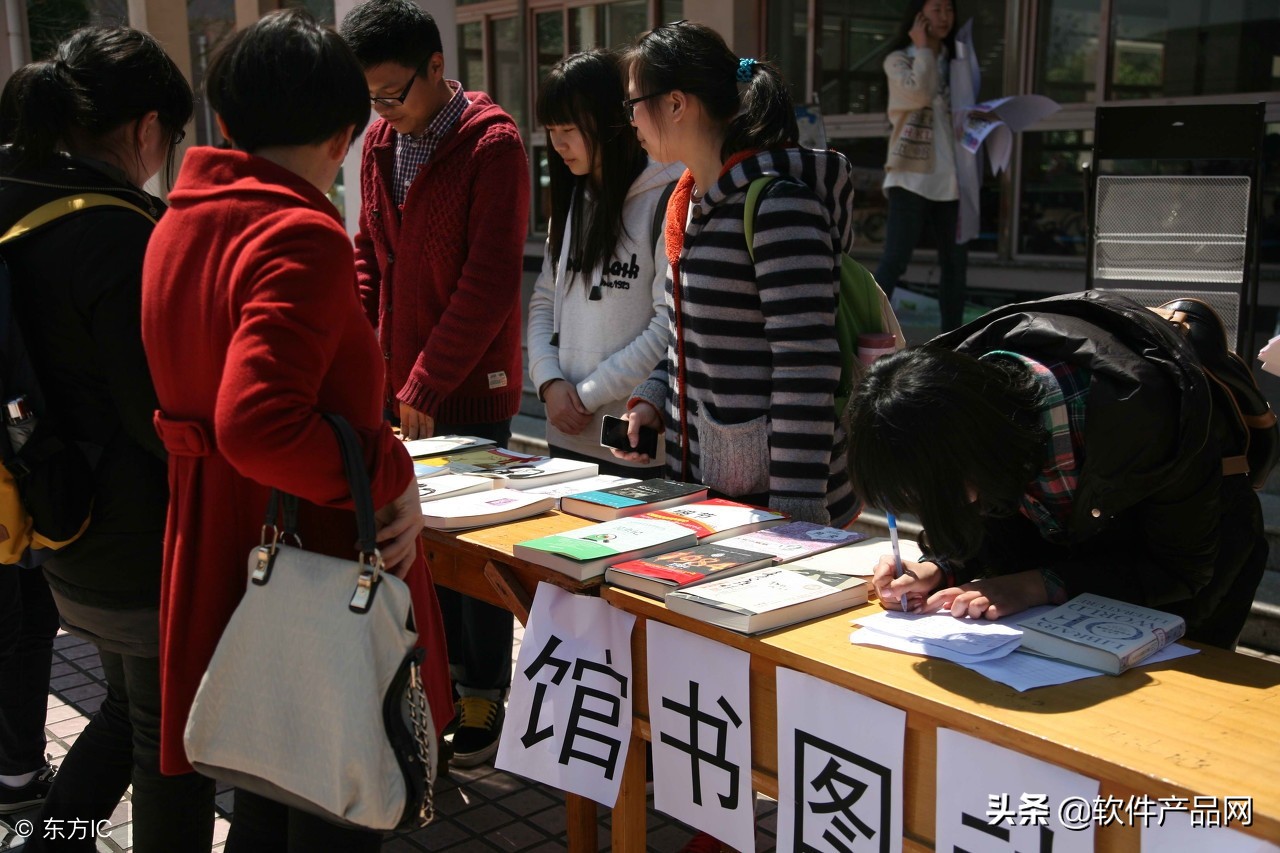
(607, 346)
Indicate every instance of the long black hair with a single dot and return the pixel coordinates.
(586, 90)
(694, 59)
(99, 79)
(903, 38)
(927, 425)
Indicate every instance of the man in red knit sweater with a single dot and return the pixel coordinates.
(444, 193)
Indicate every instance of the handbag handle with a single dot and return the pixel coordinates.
(370, 558)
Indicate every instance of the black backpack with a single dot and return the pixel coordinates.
(1252, 444)
(46, 484)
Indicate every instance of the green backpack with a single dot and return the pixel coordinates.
(861, 305)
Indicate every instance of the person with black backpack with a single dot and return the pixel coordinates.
(1068, 445)
(746, 389)
(93, 124)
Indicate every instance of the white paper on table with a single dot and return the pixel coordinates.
(700, 686)
(1173, 833)
(836, 746)
(947, 633)
(1270, 356)
(992, 798)
(436, 445)
(1025, 671)
(584, 644)
(858, 559)
(872, 637)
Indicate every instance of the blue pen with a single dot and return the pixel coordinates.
(897, 555)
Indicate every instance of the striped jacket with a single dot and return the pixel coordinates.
(758, 342)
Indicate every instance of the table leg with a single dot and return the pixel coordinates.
(513, 596)
(580, 815)
(630, 813)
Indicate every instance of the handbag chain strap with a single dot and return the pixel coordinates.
(420, 717)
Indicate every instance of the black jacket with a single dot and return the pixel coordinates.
(77, 295)
(1154, 521)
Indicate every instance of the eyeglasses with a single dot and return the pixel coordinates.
(629, 105)
(176, 139)
(398, 100)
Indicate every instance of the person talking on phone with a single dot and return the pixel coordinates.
(745, 392)
(920, 173)
(596, 319)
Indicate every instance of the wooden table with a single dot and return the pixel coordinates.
(480, 563)
(1208, 724)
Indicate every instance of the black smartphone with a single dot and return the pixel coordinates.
(613, 433)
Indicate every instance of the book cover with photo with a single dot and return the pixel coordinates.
(657, 575)
(794, 540)
(767, 598)
(451, 486)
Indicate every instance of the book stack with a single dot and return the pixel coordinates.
(717, 518)
(586, 552)
(451, 486)
(633, 499)
(767, 598)
(586, 484)
(481, 509)
(794, 540)
(657, 575)
(510, 469)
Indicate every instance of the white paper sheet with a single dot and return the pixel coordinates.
(1173, 832)
(701, 722)
(837, 747)
(979, 782)
(575, 662)
(946, 633)
(994, 123)
(1025, 671)
(1270, 356)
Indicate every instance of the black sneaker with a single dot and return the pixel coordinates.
(28, 795)
(480, 724)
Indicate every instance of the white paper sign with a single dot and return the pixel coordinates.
(991, 799)
(701, 722)
(1177, 832)
(568, 721)
(839, 769)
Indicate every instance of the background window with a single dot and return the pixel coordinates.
(508, 67)
(607, 24)
(210, 25)
(321, 10)
(548, 29)
(1067, 50)
(788, 44)
(541, 189)
(51, 21)
(1051, 215)
(471, 56)
(1174, 48)
(669, 11)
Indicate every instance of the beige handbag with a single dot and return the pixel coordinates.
(313, 697)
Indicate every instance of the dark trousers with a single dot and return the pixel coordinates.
(28, 624)
(478, 634)
(908, 214)
(119, 747)
(259, 825)
(615, 468)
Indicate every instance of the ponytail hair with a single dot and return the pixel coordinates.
(586, 90)
(99, 79)
(748, 97)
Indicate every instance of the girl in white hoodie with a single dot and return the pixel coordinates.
(597, 319)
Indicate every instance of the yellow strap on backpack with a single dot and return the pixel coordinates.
(58, 208)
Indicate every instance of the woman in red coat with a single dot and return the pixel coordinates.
(253, 327)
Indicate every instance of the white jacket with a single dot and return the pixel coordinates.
(607, 346)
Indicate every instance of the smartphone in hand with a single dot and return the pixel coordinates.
(613, 433)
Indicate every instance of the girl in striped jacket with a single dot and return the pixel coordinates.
(745, 392)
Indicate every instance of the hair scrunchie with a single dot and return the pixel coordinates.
(744, 70)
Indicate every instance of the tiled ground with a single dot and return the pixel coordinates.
(478, 808)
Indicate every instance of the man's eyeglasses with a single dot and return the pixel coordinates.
(398, 100)
(629, 105)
